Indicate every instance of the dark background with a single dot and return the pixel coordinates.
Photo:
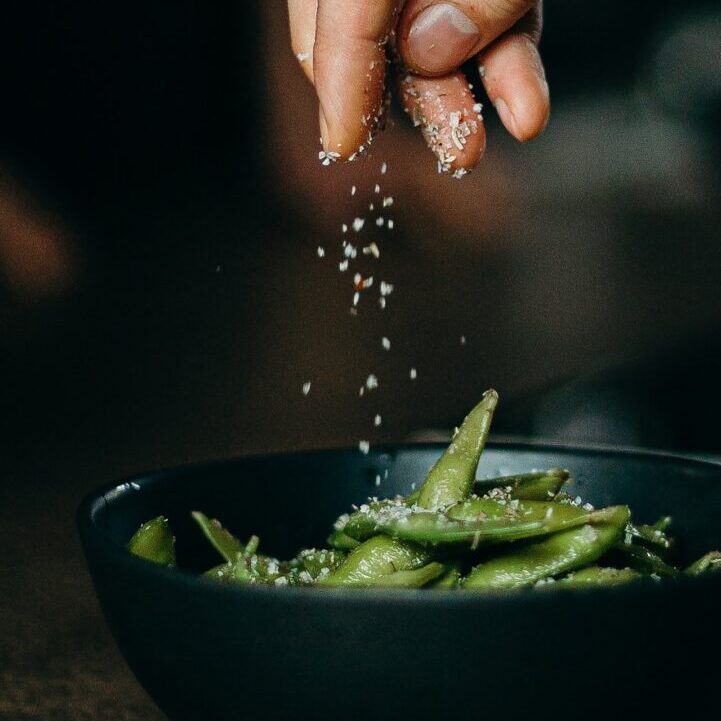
(161, 300)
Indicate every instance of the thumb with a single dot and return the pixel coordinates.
(435, 38)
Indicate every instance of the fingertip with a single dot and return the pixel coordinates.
(449, 118)
(515, 82)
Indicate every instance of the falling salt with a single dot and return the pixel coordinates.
(321, 251)
(413, 374)
(384, 168)
(377, 420)
(385, 343)
(306, 388)
(358, 224)
(364, 447)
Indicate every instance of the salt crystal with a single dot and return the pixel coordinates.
(358, 224)
(463, 340)
(364, 447)
(387, 201)
(380, 221)
(343, 265)
(321, 251)
(413, 374)
(344, 228)
(353, 190)
(377, 188)
(377, 420)
(306, 388)
(390, 224)
(386, 288)
(371, 382)
(384, 168)
(385, 343)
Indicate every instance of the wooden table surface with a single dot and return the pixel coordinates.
(57, 658)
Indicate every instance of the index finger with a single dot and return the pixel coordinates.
(349, 66)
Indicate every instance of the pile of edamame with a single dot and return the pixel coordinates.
(456, 532)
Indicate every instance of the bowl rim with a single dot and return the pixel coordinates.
(92, 535)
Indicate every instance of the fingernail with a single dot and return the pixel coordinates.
(505, 115)
(441, 37)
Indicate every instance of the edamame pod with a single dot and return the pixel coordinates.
(222, 540)
(599, 576)
(416, 578)
(154, 542)
(451, 478)
(559, 553)
(536, 486)
(378, 556)
(709, 563)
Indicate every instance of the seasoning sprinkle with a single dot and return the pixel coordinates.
(377, 420)
(358, 224)
(385, 343)
(321, 251)
(384, 168)
(306, 388)
(413, 374)
(364, 447)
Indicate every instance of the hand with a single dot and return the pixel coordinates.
(341, 45)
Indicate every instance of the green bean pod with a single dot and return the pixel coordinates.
(450, 578)
(473, 522)
(536, 486)
(154, 542)
(451, 478)
(709, 563)
(416, 578)
(599, 576)
(222, 540)
(559, 553)
(341, 541)
(377, 557)
(647, 561)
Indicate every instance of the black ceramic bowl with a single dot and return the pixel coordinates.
(208, 651)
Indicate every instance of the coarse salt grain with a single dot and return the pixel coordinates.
(386, 288)
(463, 340)
(380, 220)
(306, 388)
(321, 251)
(344, 228)
(302, 57)
(385, 343)
(353, 190)
(390, 224)
(372, 382)
(377, 420)
(358, 224)
(372, 249)
(364, 447)
(413, 374)
(387, 201)
(377, 188)
(343, 265)
(384, 168)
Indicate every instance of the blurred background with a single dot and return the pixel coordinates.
(161, 202)
(162, 301)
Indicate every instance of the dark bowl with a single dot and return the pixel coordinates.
(208, 651)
